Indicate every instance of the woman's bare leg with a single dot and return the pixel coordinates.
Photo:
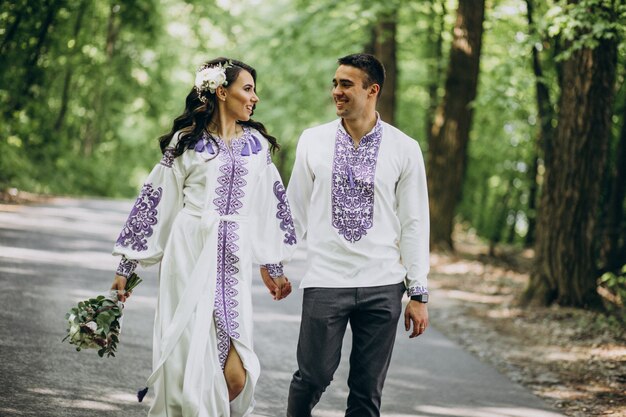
(235, 373)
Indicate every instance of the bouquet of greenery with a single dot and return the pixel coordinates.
(96, 323)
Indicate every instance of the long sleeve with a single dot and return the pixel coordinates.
(300, 189)
(412, 200)
(273, 233)
(147, 229)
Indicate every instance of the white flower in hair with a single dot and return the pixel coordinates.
(211, 77)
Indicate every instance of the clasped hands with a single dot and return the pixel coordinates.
(279, 287)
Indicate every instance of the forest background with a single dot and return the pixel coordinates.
(518, 107)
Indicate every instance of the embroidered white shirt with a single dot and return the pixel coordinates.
(363, 211)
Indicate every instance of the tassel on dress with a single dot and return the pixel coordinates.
(142, 393)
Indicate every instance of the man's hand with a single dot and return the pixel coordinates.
(417, 313)
(279, 287)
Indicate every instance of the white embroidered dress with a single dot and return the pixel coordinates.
(207, 222)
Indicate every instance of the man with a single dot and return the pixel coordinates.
(358, 195)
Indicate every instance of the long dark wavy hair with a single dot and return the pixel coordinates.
(197, 115)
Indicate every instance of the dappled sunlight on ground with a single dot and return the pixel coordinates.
(428, 411)
(573, 358)
(63, 399)
(86, 259)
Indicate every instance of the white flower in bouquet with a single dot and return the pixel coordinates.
(96, 323)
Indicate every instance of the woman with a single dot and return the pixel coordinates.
(212, 207)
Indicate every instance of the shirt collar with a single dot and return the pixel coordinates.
(376, 130)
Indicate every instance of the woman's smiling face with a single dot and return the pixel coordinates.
(241, 98)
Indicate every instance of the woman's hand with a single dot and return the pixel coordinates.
(279, 287)
(119, 285)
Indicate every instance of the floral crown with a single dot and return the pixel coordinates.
(209, 77)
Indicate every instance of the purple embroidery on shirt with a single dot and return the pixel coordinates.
(168, 157)
(126, 267)
(417, 290)
(268, 156)
(143, 216)
(229, 192)
(284, 214)
(353, 176)
(225, 306)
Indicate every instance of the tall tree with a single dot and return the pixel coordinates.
(447, 148)
(545, 115)
(565, 271)
(434, 46)
(614, 243)
(383, 46)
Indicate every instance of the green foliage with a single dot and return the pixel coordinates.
(584, 23)
(615, 283)
(73, 73)
(96, 323)
(87, 87)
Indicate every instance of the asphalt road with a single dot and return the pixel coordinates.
(53, 255)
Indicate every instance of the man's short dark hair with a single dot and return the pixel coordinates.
(372, 67)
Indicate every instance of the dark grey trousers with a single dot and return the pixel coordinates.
(373, 314)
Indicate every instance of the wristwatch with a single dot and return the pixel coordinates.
(422, 298)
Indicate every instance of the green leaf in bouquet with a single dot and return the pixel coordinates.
(132, 282)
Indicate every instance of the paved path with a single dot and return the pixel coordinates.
(53, 255)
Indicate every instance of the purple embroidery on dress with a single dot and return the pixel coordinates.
(168, 157)
(353, 176)
(416, 290)
(143, 216)
(284, 214)
(225, 292)
(232, 181)
(126, 267)
(268, 156)
(229, 192)
(275, 270)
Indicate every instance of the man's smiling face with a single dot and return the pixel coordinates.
(350, 92)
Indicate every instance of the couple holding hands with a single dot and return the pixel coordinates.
(215, 205)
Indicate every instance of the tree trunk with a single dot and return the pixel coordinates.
(529, 239)
(611, 248)
(447, 149)
(94, 132)
(545, 114)
(383, 47)
(565, 271)
(32, 75)
(501, 210)
(65, 95)
(10, 33)
(435, 62)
